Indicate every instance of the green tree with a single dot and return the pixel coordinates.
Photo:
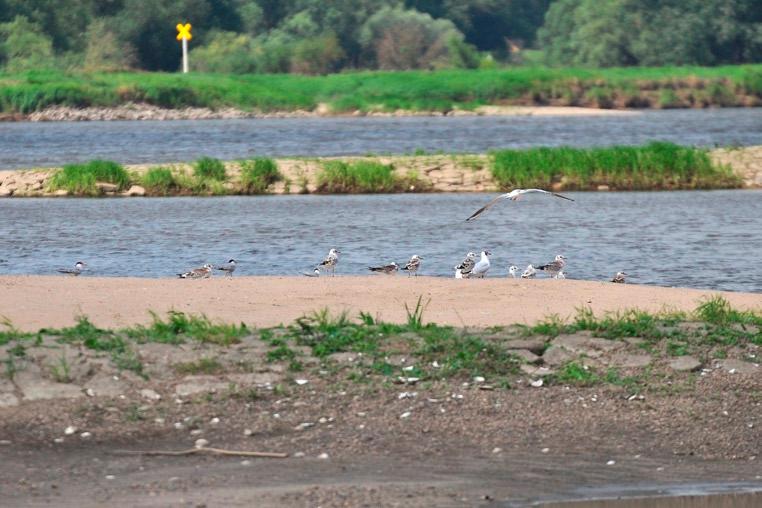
(104, 51)
(226, 52)
(23, 46)
(318, 55)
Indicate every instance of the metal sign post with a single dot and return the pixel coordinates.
(184, 35)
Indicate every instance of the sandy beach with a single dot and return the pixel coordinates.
(34, 302)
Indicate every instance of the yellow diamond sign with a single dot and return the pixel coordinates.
(184, 32)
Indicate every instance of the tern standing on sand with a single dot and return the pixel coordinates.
(197, 273)
(513, 271)
(389, 269)
(529, 273)
(78, 267)
(514, 195)
(619, 278)
(482, 267)
(228, 267)
(330, 261)
(555, 267)
(413, 265)
(463, 270)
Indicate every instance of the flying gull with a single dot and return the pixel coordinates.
(514, 195)
(529, 273)
(197, 273)
(619, 278)
(513, 271)
(228, 267)
(413, 265)
(389, 269)
(330, 261)
(78, 267)
(463, 270)
(482, 266)
(555, 267)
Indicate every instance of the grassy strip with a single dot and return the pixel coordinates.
(365, 177)
(388, 91)
(655, 166)
(82, 179)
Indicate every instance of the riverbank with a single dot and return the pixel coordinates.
(385, 408)
(387, 92)
(413, 173)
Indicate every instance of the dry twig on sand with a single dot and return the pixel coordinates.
(204, 450)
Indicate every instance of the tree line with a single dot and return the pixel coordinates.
(319, 36)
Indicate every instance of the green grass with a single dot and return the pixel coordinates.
(258, 174)
(365, 177)
(208, 168)
(81, 179)
(159, 181)
(657, 165)
(180, 327)
(200, 366)
(384, 90)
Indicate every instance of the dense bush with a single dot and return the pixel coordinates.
(258, 174)
(208, 168)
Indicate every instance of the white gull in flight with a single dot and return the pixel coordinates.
(514, 195)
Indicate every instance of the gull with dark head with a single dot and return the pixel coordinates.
(555, 267)
(203, 272)
(482, 266)
(330, 261)
(463, 270)
(529, 273)
(513, 271)
(389, 269)
(413, 265)
(228, 267)
(619, 278)
(514, 195)
(79, 266)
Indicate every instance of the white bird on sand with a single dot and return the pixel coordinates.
(561, 275)
(389, 269)
(78, 267)
(228, 267)
(513, 271)
(481, 268)
(463, 270)
(330, 261)
(514, 195)
(413, 265)
(203, 272)
(555, 267)
(619, 278)
(529, 273)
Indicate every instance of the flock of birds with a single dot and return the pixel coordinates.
(469, 268)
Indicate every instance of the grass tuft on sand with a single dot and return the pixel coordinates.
(82, 179)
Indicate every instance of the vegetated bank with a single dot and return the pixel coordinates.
(413, 91)
(655, 166)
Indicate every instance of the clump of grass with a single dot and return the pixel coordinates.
(359, 177)
(656, 165)
(159, 181)
(81, 179)
(208, 168)
(179, 327)
(258, 174)
(200, 366)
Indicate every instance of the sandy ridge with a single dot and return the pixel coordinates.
(34, 302)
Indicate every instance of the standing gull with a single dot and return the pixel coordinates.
(463, 270)
(555, 267)
(481, 268)
(413, 265)
(513, 271)
(78, 267)
(228, 267)
(389, 269)
(514, 195)
(529, 273)
(330, 261)
(619, 278)
(197, 273)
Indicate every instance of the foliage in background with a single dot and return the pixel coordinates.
(653, 166)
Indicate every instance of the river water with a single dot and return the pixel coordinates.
(29, 144)
(693, 239)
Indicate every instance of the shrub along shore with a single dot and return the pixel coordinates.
(655, 166)
(416, 91)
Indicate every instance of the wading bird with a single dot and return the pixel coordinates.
(482, 267)
(389, 269)
(330, 261)
(228, 267)
(619, 278)
(463, 270)
(78, 267)
(203, 272)
(413, 265)
(555, 267)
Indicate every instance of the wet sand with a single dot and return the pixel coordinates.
(34, 302)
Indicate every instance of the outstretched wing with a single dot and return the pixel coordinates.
(486, 207)
(530, 191)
